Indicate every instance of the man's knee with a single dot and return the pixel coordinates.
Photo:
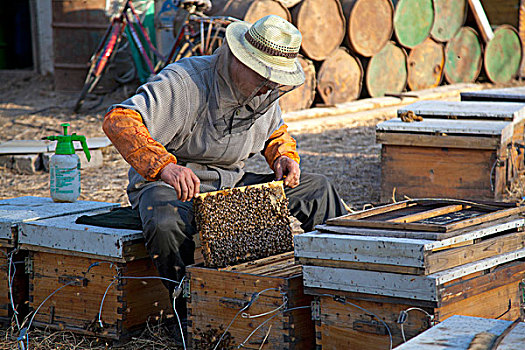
(317, 180)
(315, 185)
(163, 229)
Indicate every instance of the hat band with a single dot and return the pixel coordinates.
(266, 49)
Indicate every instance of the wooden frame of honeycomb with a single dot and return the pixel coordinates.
(243, 223)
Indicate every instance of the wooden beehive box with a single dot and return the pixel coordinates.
(96, 268)
(464, 150)
(446, 257)
(458, 332)
(13, 212)
(243, 223)
(216, 298)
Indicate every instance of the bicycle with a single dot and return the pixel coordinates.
(194, 33)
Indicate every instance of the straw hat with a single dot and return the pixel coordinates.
(269, 47)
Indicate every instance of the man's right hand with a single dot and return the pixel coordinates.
(183, 180)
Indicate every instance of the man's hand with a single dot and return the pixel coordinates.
(183, 180)
(289, 169)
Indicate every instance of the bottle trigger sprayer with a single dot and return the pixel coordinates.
(64, 167)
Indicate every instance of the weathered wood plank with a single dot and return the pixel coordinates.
(440, 172)
(64, 234)
(256, 263)
(422, 140)
(485, 218)
(397, 285)
(418, 218)
(458, 331)
(361, 266)
(477, 110)
(371, 212)
(475, 266)
(429, 214)
(449, 258)
(511, 94)
(439, 240)
(492, 303)
(364, 249)
(25, 209)
(481, 19)
(503, 129)
(471, 285)
(371, 282)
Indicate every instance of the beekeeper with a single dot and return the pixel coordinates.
(191, 128)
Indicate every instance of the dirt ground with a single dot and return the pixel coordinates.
(30, 109)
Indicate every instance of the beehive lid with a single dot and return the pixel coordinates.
(483, 128)
(511, 94)
(65, 235)
(458, 331)
(467, 110)
(24, 209)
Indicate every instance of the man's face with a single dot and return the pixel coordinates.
(247, 81)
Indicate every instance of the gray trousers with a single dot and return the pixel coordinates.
(168, 224)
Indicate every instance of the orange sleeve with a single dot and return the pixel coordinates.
(279, 144)
(126, 130)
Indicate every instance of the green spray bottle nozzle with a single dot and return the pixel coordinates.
(65, 142)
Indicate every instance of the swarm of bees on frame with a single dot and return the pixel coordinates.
(243, 224)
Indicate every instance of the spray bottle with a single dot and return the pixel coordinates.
(64, 167)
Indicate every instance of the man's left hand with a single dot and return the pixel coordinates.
(287, 168)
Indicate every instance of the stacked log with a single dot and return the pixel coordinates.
(369, 25)
(424, 29)
(463, 57)
(340, 78)
(449, 17)
(322, 25)
(371, 48)
(502, 55)
(386, 72)
(425, 65)
(303, 96)
(249, 10)
(413, 21)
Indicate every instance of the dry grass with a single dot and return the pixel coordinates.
(155, 336)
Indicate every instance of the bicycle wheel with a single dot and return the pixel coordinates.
(122, 68)
(99, 61)
(200, 42)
